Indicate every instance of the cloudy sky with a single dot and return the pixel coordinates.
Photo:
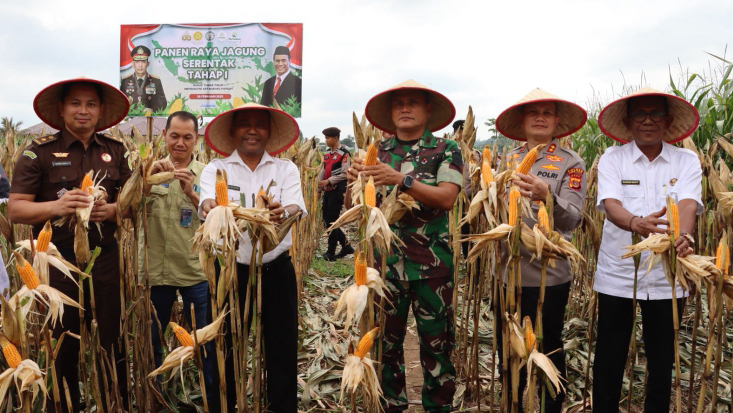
(486, 54)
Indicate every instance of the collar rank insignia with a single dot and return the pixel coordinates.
(60, 154)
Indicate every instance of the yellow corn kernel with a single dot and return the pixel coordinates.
(528, 161)
(12, 356)
(371, 155)
(530, 340)
(360, 267)
(237, 102)
(487, 175)
(542, 218)
(87, 182)
(176, 106)
(222, 191)
(182, 335)
(370, 193)
(44, 238)
(514, 196)
(673, 216)
(26, 272)
(365, 344)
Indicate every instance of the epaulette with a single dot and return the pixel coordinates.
(153, 76)
(130, 75)
(44, 140)
(110, 137)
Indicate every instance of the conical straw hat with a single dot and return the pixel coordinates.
(116, 105)
(684, 123)
(284, 130)
(379, 108)
(572, 117)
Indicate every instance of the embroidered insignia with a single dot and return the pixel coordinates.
(673, 181)
(554, 158)
(549, 175)
(551, 148)
(30, 154)
(576, 178)
(61, 154)
(106, 157)
(517, 156)
(424, 161)
(575, 183)
(61, 192)
(630, 182)
(550, 167)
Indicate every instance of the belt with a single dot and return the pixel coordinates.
(279, 260)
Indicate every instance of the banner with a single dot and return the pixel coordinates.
(207, 69)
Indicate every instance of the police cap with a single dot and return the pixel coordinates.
(140, 53)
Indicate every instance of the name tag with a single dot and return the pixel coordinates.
(233, 188)
(61, 163)
(630, 182)
(186, 218)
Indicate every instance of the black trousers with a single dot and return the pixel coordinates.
(615, 316)
(106, 277)
(332, 203)
(280, 329)
(553, 318)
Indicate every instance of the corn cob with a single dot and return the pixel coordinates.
(10, 352)
(542, 218)
(528, 161)
(87, 182)
(486, 173)
(360, 269)
(530, 340)
(222, 192)
(673, 216)
(370, 193)
(44, 238)
(176, 106)
(722, 257)
(513, 205)
(365, 344)
(371, 155)
(26, 272)
(182, 335)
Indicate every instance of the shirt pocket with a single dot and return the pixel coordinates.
(157, 205)
(633, 201)
(63, 178)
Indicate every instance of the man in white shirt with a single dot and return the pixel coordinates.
(249, 136)
(633, 182)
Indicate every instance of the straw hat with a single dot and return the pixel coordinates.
(115, 103)
(685, 122)
(378, 109)
(572, 117)
(284, 130)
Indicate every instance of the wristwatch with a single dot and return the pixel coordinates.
(286, 215)
(407, 183)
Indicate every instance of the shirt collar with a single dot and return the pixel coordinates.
(427, 140)
(637, 154)
(68, 139)
(282, 78)
(235, 158)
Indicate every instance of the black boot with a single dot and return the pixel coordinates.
(345, 250)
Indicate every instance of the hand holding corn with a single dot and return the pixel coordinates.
(532, 187)
(647, 225)
(103, 211)
(70, 201)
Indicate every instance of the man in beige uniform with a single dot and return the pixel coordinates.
(542, 118)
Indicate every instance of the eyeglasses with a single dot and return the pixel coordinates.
(655, 115)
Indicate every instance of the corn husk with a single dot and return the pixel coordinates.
(354, 299)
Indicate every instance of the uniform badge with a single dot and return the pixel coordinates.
(524, 148)
(551, 148)
(106, 157)
(673, 181)
(576, 178)
(326, 157)
(30, 154)
(197, 189)
(424, 161)
(554, 158)
(517, 156)
(550, 167)
(61, 154)
(61, 192)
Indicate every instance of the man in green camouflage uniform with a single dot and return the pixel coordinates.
(430, 170)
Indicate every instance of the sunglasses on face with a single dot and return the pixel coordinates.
(655, 115)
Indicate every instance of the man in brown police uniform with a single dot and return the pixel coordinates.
(44, 188)
(142, 87)
(542, 118)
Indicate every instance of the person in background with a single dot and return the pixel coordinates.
(332, 181)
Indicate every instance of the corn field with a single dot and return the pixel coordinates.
(338, 349)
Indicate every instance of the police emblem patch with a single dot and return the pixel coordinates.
(30, 154)
(424, 161)
(673, 181)
(576, 178)
(106, 157)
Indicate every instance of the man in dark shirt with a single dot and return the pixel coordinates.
(44, 182)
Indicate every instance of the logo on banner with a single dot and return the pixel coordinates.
(197, 36)
(210, 35)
